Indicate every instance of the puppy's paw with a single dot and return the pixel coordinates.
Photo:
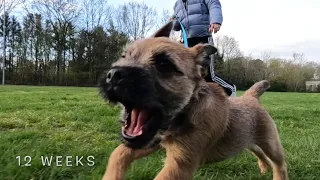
(263, 167)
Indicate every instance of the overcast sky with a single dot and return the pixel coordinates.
(281, 26)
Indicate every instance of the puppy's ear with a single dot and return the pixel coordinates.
(202, 53)
(205, 49)
(164, 31)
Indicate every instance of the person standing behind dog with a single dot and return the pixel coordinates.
(201, 18)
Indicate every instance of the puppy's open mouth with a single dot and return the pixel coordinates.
(136, 122)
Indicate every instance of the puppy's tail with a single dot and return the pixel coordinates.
(257, 89)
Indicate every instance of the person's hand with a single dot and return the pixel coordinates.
(173, 18)
(214, 28)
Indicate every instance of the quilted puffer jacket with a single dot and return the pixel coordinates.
(197, 15)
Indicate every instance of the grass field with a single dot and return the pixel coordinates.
(69, 121)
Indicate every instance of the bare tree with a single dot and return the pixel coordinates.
(6, 6)
(60, 14)
(10, 5)
(266, 57)
(135, 19)
(298, 62)
(95, 13)
(163, 18)
(228, 47)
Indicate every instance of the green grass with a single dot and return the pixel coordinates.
(70, 121)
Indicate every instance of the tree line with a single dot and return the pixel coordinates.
(71, 42)
(285, 75)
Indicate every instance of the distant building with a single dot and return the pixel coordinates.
(314, 83)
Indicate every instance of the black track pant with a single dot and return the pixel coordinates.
(211, 76)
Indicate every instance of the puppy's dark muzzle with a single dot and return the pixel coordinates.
(128, 85)
(115, 75)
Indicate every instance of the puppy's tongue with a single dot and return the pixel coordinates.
(138, 119)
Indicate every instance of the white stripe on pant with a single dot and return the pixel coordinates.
(217, 79)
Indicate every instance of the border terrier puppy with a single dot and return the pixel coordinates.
(168, 105)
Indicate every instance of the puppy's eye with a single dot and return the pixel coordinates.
(164, 64)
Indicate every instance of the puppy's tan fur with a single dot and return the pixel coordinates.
(222, 126)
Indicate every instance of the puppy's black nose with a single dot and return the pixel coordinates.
(115, 75)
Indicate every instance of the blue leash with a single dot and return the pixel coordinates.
(184, 34)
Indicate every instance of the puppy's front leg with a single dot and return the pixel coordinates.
(178, 166)
(121, 158)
